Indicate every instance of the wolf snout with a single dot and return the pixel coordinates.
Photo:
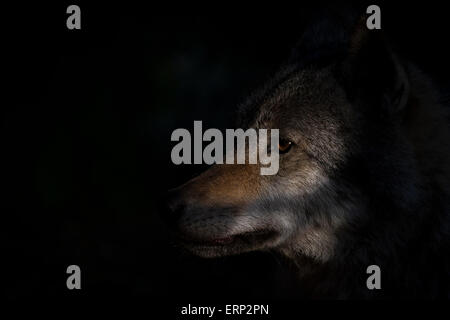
(186, 221)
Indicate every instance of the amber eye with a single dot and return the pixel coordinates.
(284, 145)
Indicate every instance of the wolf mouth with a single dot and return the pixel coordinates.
(241, 239)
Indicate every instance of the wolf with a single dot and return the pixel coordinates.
(363, 178)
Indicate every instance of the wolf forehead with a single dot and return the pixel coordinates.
(301, 103)
(296, 98)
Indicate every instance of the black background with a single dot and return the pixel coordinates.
(86, 124)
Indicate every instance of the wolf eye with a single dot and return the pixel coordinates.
(284, 146)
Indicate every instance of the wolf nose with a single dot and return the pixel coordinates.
(175, 207)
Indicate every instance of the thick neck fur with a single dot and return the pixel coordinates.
(407, 228)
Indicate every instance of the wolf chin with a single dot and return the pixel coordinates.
(363, 173)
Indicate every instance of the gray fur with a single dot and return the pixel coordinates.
(366, 181)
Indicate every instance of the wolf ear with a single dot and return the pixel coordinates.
(372, 71)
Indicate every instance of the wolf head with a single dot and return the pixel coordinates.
(340, 105)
